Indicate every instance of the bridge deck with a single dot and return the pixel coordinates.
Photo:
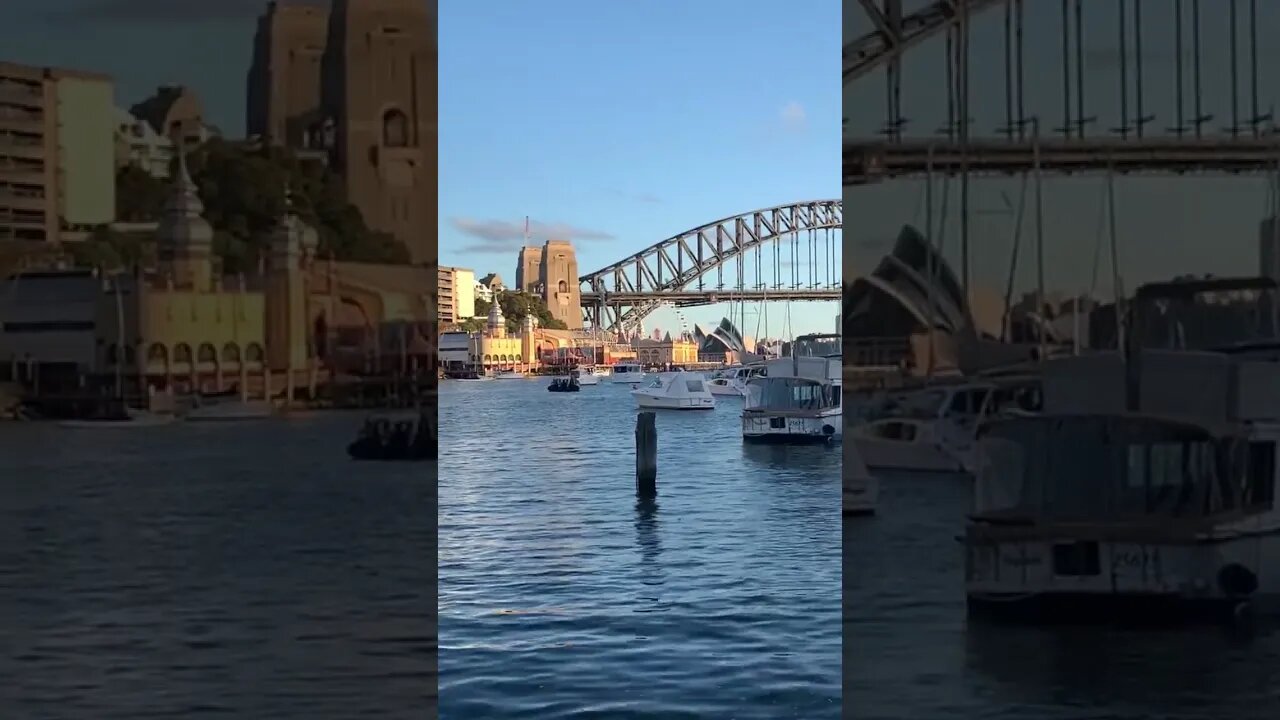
(689, 298)
(868, 161)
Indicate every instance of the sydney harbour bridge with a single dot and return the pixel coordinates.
(783, 253)
(989, 88)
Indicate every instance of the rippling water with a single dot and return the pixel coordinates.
(561, 596)
(909, 652)
(229, 570)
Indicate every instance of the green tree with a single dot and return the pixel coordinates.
(110, 250)
(472, 324)
(140, 197)
(243, 190)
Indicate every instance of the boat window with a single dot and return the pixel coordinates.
(656, 382)
(901, 431)
(1099, 468)
(1261, 484)
(791, 393)
(694, 386)
(929, 402)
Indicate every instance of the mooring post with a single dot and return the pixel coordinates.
(646, 455)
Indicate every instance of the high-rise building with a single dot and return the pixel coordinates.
(364, 92)
(456, 300)
(57, 152)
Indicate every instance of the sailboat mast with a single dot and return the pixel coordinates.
(120, 335)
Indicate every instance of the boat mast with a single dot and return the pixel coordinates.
(120, 335)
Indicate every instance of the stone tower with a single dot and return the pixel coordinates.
(559, 277)
(184, 238)
(379, 88)
(285, 78)
(292, 247)
(529, 269)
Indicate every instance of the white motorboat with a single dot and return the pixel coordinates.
(584, 376)
(861, 489)
(130, 418)
(1145, 490)
(600, 371)
(509, 375)
(797, 400)
(675, 391)
(231, 410)
(933, 429)
(627, 374)
(732, 381)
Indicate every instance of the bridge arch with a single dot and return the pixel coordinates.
(621, 294)
(877, 47)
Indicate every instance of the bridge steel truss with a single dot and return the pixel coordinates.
(1248, 142)
(689, 269)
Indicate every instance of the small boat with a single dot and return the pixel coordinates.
(584, 376)
(601, 371)
(231, 410)
(564, 384)
(675, 391)
(473, 377)
(119, 417)
(405, 436)
(627, 374)
(797, 401)
(509, 375)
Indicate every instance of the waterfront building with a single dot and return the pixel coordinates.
(356, 82)
(137, 143)
(666, 351)
(456, 294)
(57, 152)
(182, 324)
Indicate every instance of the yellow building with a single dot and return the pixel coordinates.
(665, 352)
(192, 329)
(493, 349)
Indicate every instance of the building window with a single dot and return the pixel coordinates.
(395, 129)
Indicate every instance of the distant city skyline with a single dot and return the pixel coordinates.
(618, 145)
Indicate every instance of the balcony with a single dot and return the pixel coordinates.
(11, 148)
(21, 122)
(21, 94)
(21, 201)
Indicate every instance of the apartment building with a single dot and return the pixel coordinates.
(57, 152)
(457, 295)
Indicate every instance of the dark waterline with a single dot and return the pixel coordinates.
(910, 653)
(564, 597)
(240, 570)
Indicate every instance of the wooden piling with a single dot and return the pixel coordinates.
(646, 455)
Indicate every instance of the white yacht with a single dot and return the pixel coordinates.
(797, 399)
(861, 489)
(584, 376)
(600, 371)
(1146, 489)
(675, 391)
(934, 429)
(732, 381)
(627, 374)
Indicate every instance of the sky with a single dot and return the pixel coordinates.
(618, 124)
(1165, 225)
(204, 44)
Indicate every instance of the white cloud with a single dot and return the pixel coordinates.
(793, 116)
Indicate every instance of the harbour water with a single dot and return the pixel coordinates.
(244, 570)
(561, 596)
(909, 651)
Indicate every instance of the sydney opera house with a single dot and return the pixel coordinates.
(911, 310)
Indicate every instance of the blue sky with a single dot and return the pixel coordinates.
(620, 124)
(1166, 225)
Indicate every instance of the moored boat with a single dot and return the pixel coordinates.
(797, 400)
(405, 436)
(675, 391)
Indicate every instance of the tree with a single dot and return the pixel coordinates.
(243, 190)
(140, 196)
(110, 250)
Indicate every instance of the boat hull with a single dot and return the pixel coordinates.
(764, 428)
(1135, 579)
(656, 403)
(231, 412)
(879, 454)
